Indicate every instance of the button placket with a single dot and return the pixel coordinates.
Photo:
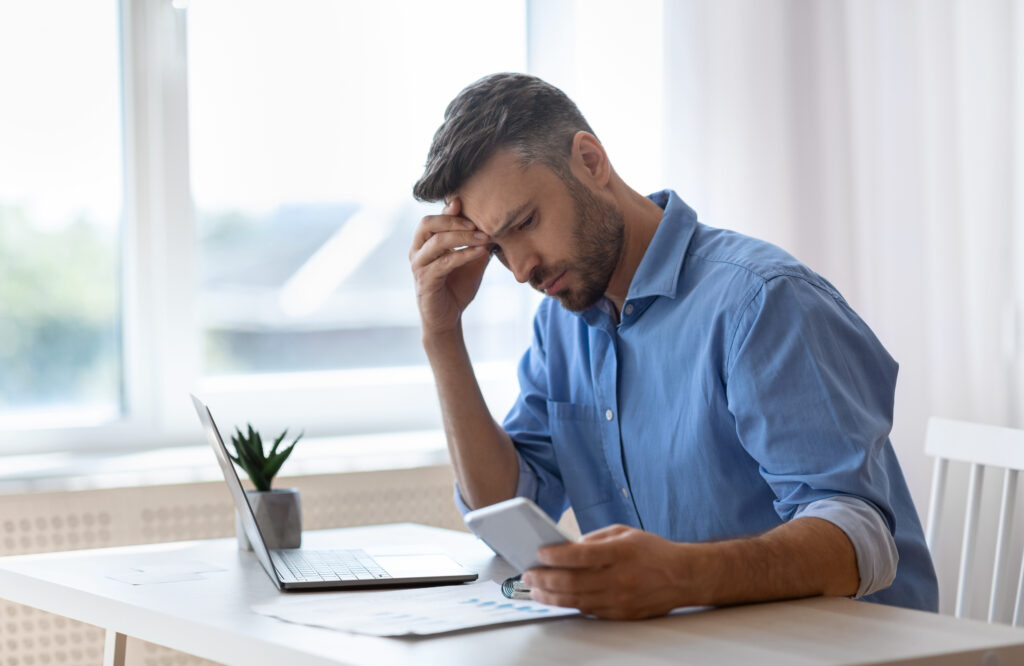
(605, 361)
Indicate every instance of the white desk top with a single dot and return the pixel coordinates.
(211, 618)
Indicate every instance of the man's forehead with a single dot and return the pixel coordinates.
(497, 194)
(494, 217)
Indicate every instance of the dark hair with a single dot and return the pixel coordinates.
(533, 118)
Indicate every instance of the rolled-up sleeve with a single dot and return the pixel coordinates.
(525, 487)
(874, 546)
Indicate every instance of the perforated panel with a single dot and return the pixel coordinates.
(41, 522)
(32, 637)
(418, 496)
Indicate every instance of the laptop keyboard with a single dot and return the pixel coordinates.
(313, 565)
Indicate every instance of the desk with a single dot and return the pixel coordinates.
(211, 618)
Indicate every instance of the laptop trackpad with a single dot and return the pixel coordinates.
(411, 566)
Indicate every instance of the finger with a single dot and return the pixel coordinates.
(554, 598)
(586, 602)
(606, 602)
(604, 533)
(444, 243)
(578, 555)
(437, 271)
(569, 581)
(434, 224)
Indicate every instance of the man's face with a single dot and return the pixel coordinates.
(555, 234)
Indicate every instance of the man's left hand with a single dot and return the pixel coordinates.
(618, 573)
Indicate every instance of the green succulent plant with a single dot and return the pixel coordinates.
(260, 467)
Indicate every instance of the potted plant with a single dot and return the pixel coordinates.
(278, 512)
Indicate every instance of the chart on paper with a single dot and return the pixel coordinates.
(420, 611)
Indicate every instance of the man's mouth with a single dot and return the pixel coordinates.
(552, 286)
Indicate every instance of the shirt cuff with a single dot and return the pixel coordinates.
(877, 555)
(525, 487)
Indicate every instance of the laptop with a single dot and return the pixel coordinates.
(308, 569)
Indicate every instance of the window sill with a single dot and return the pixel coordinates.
(51, 472)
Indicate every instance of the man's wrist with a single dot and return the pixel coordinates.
(703, 574)
(442, 341)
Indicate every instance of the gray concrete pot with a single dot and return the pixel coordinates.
(279, 515)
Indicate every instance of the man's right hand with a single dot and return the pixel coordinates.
(447, 278)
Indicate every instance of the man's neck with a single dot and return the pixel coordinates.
(642, 217)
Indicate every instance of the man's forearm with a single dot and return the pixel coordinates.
(482, 454)
(804, 557)
(621, 572)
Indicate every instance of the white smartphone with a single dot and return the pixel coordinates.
(516, 529)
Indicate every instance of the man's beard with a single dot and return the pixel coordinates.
(598, 231)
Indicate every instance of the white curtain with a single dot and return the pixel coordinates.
(880, 141)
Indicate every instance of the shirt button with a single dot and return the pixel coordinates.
(629, 309)
(609, 414)
(625, 493)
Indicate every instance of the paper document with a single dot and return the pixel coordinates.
(405, 612)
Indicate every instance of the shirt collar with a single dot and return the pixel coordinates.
(662, 263)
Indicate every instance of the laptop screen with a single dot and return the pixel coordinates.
(245, 514)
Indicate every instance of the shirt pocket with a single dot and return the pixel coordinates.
(579, 449)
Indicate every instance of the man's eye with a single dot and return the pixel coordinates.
(495, 249)
(526, 223)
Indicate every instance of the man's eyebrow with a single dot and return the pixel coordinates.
(510, 219)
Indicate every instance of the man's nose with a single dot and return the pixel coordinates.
(521, 262)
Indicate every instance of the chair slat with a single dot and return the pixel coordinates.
(1018, 608)
(963, 588)
(982, 446)
(939, 473)
(1006, 507)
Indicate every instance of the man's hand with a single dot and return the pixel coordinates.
(618, 573)
(623, 573)
(447, 278)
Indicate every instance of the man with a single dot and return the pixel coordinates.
(713, 411)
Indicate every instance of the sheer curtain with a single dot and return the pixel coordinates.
(880, 142)
(883, 144)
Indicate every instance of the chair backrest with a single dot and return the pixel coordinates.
(982, 446)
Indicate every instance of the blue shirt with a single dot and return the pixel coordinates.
(737, 388)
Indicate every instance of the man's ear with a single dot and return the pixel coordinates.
(589, 158)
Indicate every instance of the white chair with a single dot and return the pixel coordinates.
(982, 446)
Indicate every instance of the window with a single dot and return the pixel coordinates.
(216, 197)
(60, 214)
(308, 128)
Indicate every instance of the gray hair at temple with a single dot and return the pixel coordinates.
(515, 111)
